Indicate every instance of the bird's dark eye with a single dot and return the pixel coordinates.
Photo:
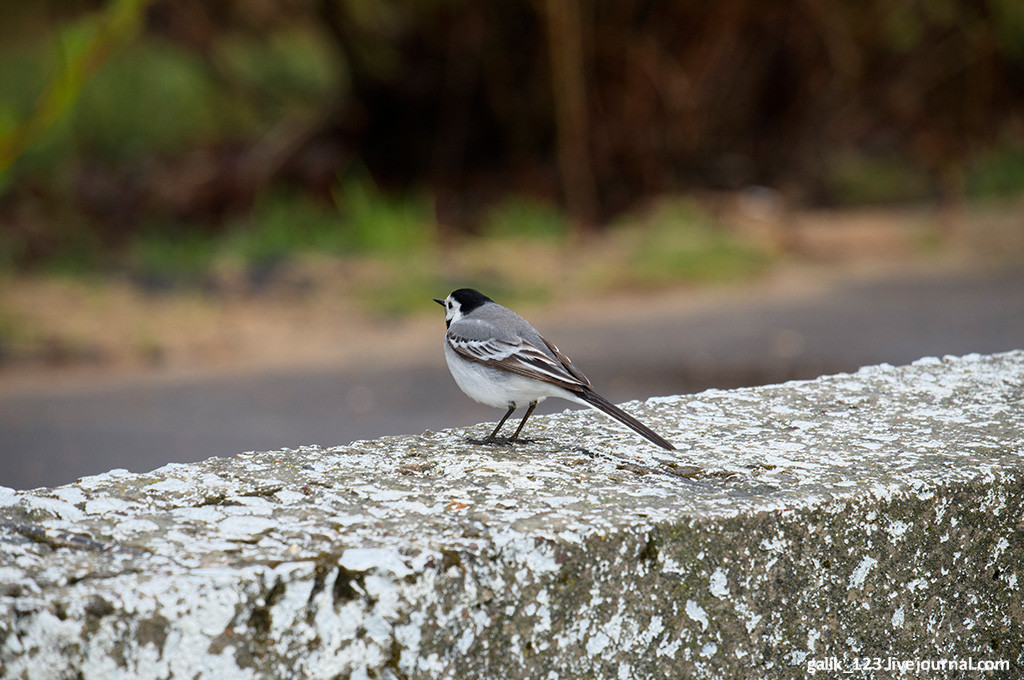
(449, 305)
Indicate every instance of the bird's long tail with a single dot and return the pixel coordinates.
(595, 400)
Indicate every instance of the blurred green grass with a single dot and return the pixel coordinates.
(360, 220)
(855, 178)
(391, 246)
(523, 218)
(997, 175)
(678, 241)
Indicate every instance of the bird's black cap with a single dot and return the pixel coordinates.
(469, 299)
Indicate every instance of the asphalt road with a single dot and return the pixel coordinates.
(53, 438)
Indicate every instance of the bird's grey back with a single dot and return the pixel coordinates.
(492, 320)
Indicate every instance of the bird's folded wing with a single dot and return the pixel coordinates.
(521, 358)
(567, 363)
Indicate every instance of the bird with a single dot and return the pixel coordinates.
(497, 358)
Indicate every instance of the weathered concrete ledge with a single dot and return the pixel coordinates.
(876, 515)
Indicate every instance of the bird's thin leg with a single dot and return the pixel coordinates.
(519, 429)
(490, 438)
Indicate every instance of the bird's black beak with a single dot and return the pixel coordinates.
(440, 302)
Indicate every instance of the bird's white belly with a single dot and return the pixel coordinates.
(495, 387)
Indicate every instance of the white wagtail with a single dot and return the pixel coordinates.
(499, 359)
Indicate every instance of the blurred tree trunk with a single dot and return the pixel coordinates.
(563, 22)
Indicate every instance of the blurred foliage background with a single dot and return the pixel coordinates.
(175, 140)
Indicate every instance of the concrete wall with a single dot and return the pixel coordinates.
(801, 529)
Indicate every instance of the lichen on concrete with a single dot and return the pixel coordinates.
(872, 515)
